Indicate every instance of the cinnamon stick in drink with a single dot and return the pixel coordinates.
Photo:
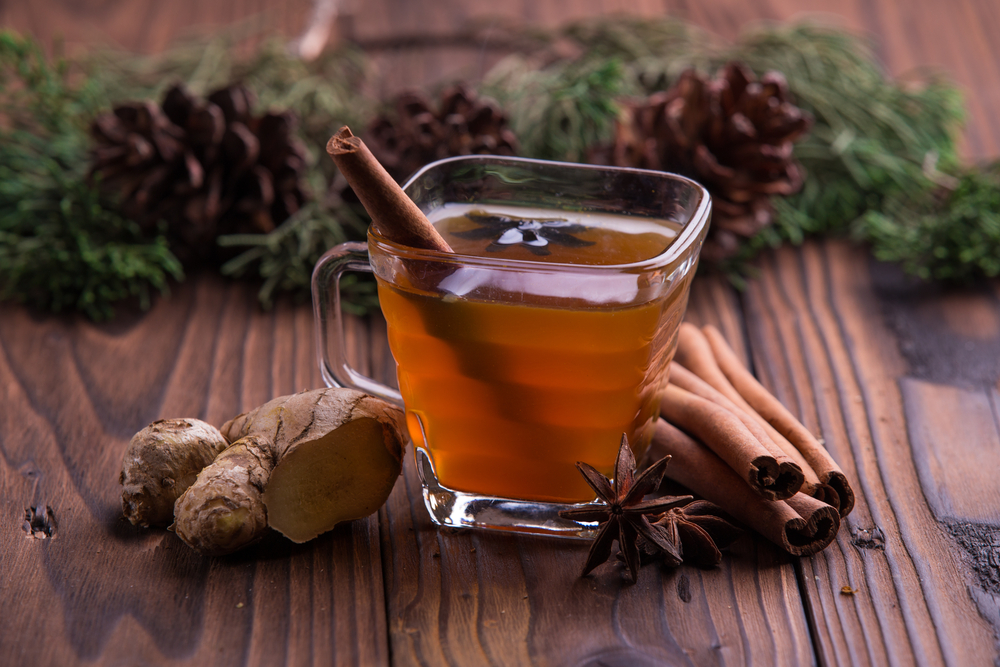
(779, 417)
(801, 525)
(394, 215)
(771, 475)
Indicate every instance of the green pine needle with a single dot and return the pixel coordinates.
(876, 144)
(948, 236)
(284, 259)
(324, 94)
(61, 247)
(560, 112)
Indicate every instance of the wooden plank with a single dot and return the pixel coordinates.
(144, 26)
(102, 592)
(714, 301)
(471, 598)
(817, 330)
(956, 448)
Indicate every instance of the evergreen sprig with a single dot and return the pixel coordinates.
(881, 157)
(873, 137)
(284, 258)
(61, 246)
(35, 94)
(877, 147)
(321, 93)
(946, 234)
(558, 113)
(324, 94)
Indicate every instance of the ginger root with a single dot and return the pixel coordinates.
(304, 462)
(161, 462)
(223, 511)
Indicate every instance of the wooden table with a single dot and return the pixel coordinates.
(900, 378)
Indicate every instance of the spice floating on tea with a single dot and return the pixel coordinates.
(534, 234)
(623, 516)
(538, 233)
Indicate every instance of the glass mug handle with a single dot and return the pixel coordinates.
(335, 369)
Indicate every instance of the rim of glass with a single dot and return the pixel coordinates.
(680, 247)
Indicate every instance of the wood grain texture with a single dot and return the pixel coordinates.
(822, 344)
(956, 448)
(145, 26)
(471, 598)
(100, 590)
(901, 380)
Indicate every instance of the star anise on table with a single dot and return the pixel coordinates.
(622, 514)
(697, 531)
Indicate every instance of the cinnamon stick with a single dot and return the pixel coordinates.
(394, 215)
(772, 476)
(688, 381)
(781, 419)
(801, 525)
(695, 354)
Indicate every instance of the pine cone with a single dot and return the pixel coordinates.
(206, 167)
(418, 135)
(733, 134)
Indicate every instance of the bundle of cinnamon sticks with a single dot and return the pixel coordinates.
(733, 443)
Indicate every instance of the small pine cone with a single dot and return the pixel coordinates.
(733, 134)
(417, 134)
(205, 167)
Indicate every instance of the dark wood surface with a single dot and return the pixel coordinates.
(901, 379)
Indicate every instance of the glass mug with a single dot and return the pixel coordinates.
(518, 360)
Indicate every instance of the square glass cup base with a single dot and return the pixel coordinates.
(458, 509)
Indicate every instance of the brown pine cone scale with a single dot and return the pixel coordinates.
(734, 134)
(418, 134)
(204, 167)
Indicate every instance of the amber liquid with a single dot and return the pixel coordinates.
(507, 395)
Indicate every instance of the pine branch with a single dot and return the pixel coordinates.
(61, 246)
(951, 236)
(869, 147)
(284, 259)
(560, 112)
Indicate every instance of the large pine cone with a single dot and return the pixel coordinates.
(733, 134)
(205, 167)
(417, 134)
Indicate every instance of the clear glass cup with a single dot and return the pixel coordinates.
(513, 366)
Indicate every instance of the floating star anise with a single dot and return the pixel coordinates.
(623, 514)
(535, 235)
(697, 532)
